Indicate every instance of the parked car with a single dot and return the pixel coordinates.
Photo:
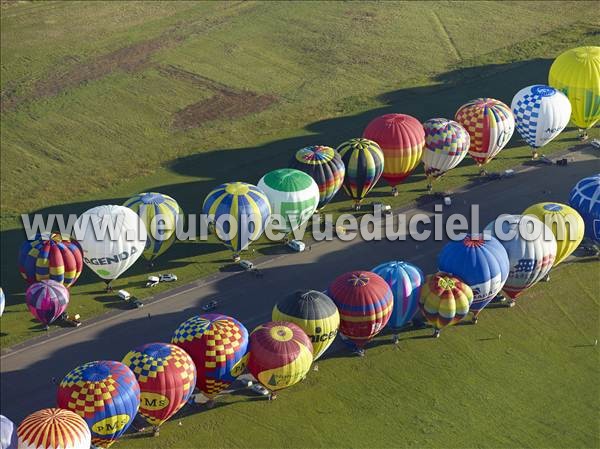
(385, 208)
(209, 306)
(296, 245)
(169, 277)
(124, 295)
(246, 265)
(152, 281)
(71, 320)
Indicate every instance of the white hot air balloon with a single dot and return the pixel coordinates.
(531, 249)
(112, 238)
(541, 113)
(8, 433)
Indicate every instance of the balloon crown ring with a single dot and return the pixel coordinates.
(474, 241)
(358, 280)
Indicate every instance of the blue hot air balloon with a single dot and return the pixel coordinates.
(482, 263)
(585, 199)
(405, 280)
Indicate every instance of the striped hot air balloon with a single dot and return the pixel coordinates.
(105, 394)
(167, 377)
(364, 163)
(325, 166)
(161, 215)
(444, 300)
(247, 204)
(51, 256)
(365, 302)
(217, 344)
(47, 300)
(280, 354)
(490, 124)
(401, 137)
(446, 145)
(585, 199)
(315, 313)
(54, 428)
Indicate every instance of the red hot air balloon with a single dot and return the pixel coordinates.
(402, 138)
(365, 301)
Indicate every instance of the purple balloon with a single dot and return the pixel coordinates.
(47, 300)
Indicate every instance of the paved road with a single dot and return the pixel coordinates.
(26, 381)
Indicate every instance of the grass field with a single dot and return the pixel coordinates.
(523, 377)
(103, 100)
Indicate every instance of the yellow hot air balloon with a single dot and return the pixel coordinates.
(576, 72)
(566, 225)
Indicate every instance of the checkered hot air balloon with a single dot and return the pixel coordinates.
(167, 377)
(585, 199)
(161, 215)
(280, 354)
(364, 163)
(401, 137)
(490, 124)
(54, 428)
(365, 302)
(51, 256)
(47, 300)
(446, 145)
(325, 166)
(105, 394)
(217, 344)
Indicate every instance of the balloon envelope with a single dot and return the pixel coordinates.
(445, 300)
(8, 433)
(54, 428)
(2, 301)
(585, 199)
(47, 300)
(364, 163)
(446, 145)
(315, 313)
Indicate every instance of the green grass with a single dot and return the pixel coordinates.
(523, 377)
(331, 66)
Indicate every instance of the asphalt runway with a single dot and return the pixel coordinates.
(27, 372)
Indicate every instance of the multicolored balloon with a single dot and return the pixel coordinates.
(364, 163)
(401, 137)
(51, 256)
(567, 226)
(405, 280)
(8, 433)
(576, 73)
(325, 166)
(531, 249)
(160, 214)
(246, 203)
(280, 354)
(54, 428)
(446, 145)
(482, 263)
(217, 344)
(167, 377)
(293, 195)
(315, 313)
(585, 199)
(105, 394)
(365, 302)
(445, 300)
(490, 124)
(47, 300)
(541, 113)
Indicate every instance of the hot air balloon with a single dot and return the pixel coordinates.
(315, 313)
(105, 394)
(247, 204)
(405, 280)
(108, 255)
(566, 225)
(364, 163)
(576, 73)
(365, 302)
(490, 124)
(401, 137)
(325, 166)
(585, 199)
(217, 344)
(531, 250)
(280, 354)
(167, 377)
(482, 263)
(54, 428)
(51, 256)
(160, 214)
(47, 300)
(444, 301)
(8, 434)
(293, 195)
(541, 113)
(446, 145)
(2, 301)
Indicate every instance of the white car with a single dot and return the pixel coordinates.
(246, 265)
(152, 281)
(124, 295)
(385, 208)
(296, 245)
(169, 277)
